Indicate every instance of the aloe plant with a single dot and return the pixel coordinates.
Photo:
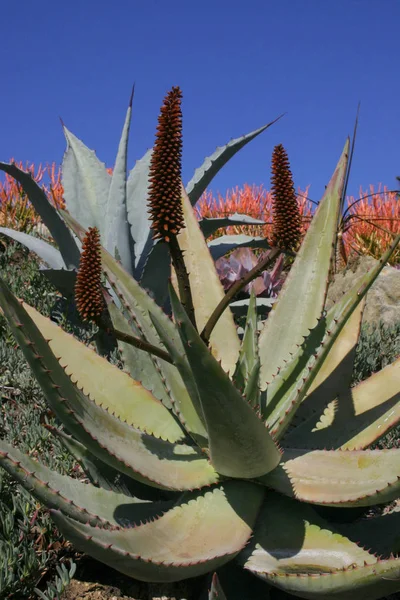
(117, 205)
(207, 449)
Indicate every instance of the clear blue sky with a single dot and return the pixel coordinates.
(240, 63)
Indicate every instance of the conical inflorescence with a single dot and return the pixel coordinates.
(88, 292)
(286, 229)
(165, 170)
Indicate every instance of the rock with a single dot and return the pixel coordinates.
(383, 299)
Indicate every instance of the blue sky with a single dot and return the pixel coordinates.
(240, 63)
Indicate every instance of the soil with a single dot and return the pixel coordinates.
(95, 581)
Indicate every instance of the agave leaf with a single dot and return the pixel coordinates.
(209, 226)
(213, 164)
(207, 290)
(75, 499)
(338, 477)
(202, 532)
(240, 445)
(105, 384)
(104, 476)
(86, 184)
(137, 306)
(116, 226)
(136, 454)
(137, 190)
(49, 215)
(224, 244)
(216, 591)
(297, 551)
(285, 395)
(307, 281)
(45, 251)
(355, 419)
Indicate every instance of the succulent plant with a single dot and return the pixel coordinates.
(207, 449)
(116, 203)
(240, 262)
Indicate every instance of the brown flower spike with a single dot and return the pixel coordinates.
(165, 170)
(88, 293)
(286, 229)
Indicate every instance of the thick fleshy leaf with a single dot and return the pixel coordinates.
(302, 297)
(239, 443)
(379, 533)
(116, 227)
(357, 418)
(248, 357)
(216, 591)
(202, 532)
(213, 164)
(338, 477)
(104, 476)
(297, 551)
(290, 386)
(86, 184)
(137, 306)
(207, 290)
(137, 190)
(105, 384)
(334, 377)
(45, 251)
(209, 226)
(224, 244)
(156, 273)
(49, 215)
(136, 454)
(80, 501)
(63, 280)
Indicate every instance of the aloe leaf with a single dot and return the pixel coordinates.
(45, 251)
(86, 184)
(137, 306)
(302, 297)
(240, 445)
(105, 384)
(156, 273)
(285, 393)
(137, 196)
(248, 355)
(202, 532)
(334, 377)
(63, 280)
(381, 533)
(104, 476)
(209, 226)
(75, 499)
(216, 591)
(136, 454)
(207, 290)
(338, 477)
(224, 244)
(49, 215)
(297, 551)
(116, 226)
(355, 419)
(213, 164)
(193, 411)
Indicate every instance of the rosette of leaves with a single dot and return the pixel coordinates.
(116, 204)
(208, 450)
